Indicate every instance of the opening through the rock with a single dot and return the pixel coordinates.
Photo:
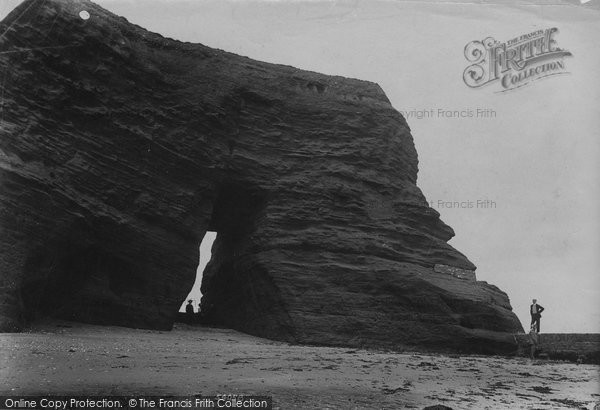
(205, 254)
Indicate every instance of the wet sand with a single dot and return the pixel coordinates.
(70, 358)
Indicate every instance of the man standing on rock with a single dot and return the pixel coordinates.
(536, 314)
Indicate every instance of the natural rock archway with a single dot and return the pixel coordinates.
(120, 148)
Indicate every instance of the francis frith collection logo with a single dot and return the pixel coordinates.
(516, 62)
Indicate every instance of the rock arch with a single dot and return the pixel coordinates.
(120, 148)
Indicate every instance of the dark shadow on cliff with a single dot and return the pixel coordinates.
(83, 277)
(237, 291)
(62, 275)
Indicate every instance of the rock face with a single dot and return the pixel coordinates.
(120, 148)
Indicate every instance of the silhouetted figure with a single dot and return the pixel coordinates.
(189, 311)
(536, 314)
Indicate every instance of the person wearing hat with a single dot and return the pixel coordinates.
(189, 311)
(536, 314)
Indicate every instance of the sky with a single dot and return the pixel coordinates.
(534, 157)
(195, 295)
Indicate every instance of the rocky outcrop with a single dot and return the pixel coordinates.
(575, 347)
(120, 148)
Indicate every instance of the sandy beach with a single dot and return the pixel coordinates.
(70, 358)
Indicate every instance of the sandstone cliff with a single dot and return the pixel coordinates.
(120, 148)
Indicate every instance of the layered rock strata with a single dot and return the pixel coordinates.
(120, 148)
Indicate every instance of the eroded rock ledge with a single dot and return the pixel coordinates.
(466, 274)
(120, 148)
